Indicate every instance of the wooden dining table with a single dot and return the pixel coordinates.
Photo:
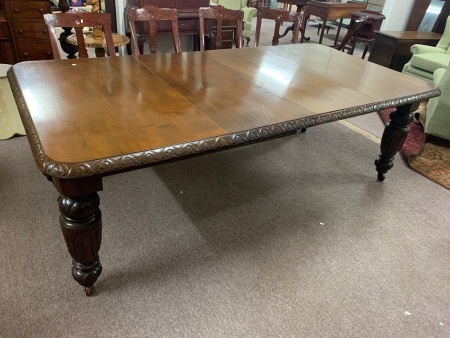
(87, 119)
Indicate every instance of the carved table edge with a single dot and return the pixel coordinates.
(146, 158)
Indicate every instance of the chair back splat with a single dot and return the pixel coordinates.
(219, 14)
(348, 41)
(152, 15)
(79, 20)
(279, 16)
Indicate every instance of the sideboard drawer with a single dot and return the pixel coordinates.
(34, 51)
(31, 31)
(28, 10)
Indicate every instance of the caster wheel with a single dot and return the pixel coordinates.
(89, 290)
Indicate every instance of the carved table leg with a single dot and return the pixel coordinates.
(393, 137)
(81, 224)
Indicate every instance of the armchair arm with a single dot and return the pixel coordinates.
(420, 49)
(249, 13)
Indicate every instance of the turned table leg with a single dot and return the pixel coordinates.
(393, 137)
(81, 224)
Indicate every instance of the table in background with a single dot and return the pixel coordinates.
(392, 49)
(329, 11)
(152, 109)
(99, 44)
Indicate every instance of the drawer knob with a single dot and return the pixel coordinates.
(41, 10)
(16, 10)
(49, 53)
(25, 55)
(46, 31)
(20, 31)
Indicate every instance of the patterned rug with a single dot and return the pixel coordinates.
(427, 155)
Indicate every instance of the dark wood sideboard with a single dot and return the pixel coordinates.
(23, 33)
(392, 49)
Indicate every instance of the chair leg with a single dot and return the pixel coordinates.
(352, 48)
(367, 46)
(248, 40)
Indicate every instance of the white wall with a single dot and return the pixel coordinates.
(397, 14)
(120, 10)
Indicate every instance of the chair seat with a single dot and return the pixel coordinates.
(430, 61)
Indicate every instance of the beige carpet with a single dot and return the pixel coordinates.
(289, 238)
(10, 123)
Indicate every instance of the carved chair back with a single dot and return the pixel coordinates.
(152, 15)
(79, 20)
(279, 16)
(352, 33)
(219, 14)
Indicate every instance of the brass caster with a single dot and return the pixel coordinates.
(89, 290)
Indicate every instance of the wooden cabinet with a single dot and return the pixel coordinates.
(392, 49)
(28, 29)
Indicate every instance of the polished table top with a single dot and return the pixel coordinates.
(133, 111)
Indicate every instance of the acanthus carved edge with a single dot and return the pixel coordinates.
(154, 156)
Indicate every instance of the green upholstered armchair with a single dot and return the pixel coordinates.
(249, 14)
(437, 118)
(426, 59)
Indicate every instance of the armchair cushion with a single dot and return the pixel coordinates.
(430, 61)
(437, 119)
(420, 49)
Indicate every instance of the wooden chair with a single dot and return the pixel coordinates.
(79, 20)
(279, 16)
(366, 35)
(219, 14)
(286, 5)
(352, 32)
(152, 15)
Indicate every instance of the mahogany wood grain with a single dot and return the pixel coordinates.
(151, 109)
